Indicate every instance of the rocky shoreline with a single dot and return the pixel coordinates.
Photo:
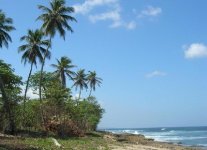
(139, 142)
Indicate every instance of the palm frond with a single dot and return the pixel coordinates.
(56, 18)
(34, 47)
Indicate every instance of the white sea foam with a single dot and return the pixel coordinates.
(205, 145)
(173, 138)
(184, 135)
(136, 132)
(164, 138)
(159, 133)
(127, 131)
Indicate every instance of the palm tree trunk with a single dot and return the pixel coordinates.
(25, 94)
(79, 95)
(40, 82)
(90, 93)
(41, 71)
(7, 107)
(63, 80)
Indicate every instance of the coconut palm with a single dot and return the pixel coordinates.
(80, 80)
(55, 19)
(5, 27)
(33, 50)
(93, 80)
(63, 69)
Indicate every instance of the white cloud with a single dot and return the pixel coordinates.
(195, 50)
(131, 25)
(150, 11)
(89, 5)
(156, 74)
(112, 14)
(116, 19)
(76, 96)
(116, 24)
(30, 93)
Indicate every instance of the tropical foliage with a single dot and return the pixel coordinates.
(80, 81)
(55, 19)
(93, 81)
(10, 97)
(6, 72)
(5, 27)
(33, 50)
(56, 111)
(64, 68)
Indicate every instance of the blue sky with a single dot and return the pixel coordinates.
(151, 54)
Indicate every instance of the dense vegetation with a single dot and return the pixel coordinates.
(56, 111)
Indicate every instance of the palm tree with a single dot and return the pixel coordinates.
(80, 80)
(55, 19)
(5, 27)
(63, 68)
(33, 50)
(93, 80)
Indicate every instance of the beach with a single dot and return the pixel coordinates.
(139, 142)
(95, 140)
(188, 136)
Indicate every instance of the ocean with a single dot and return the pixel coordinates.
(188, 136)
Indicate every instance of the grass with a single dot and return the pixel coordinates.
(87, 143)
(90, 142)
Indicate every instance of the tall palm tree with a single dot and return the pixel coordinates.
(33, 50)
(63, 68)
(80, 80)
(93, 80)
(55, 19)
(5, 27)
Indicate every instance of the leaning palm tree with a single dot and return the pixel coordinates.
(93, 80)
(5, 27)
(55, 19)
(80, 80)
(33, 50)
(63, 68)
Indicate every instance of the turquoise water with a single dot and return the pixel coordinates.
(189, 136)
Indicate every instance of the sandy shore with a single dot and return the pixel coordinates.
(135, 147)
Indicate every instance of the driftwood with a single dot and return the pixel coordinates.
(56, 143)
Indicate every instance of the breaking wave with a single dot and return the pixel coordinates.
(187, 136)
